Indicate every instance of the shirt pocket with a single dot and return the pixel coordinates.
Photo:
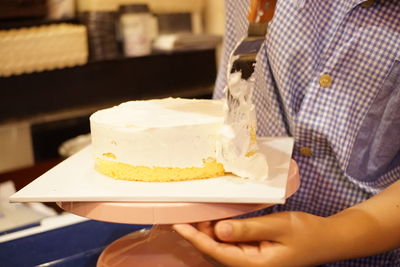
(376, 147)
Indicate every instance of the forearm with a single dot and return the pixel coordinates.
(368, 228)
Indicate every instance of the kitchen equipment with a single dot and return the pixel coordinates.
(244, 56)
(261, 12)
(75, 179)
(47, 47)
(238, 145)
(101, 33)
(138, 28)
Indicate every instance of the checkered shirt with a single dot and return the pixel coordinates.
(351, 121)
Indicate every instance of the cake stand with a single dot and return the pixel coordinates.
(152, 247)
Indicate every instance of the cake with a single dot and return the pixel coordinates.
(159, 140)
(172, 139)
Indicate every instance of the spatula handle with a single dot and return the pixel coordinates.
(265, 7)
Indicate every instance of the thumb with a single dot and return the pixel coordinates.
(252, 229)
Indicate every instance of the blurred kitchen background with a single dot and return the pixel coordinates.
(61, 60)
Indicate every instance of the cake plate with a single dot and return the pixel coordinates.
(152, 247)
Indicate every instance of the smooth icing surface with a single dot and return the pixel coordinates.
(169, 132)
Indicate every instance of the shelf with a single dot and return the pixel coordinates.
(8, 24)
(184, 74)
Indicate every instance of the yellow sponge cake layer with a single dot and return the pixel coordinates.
(123, 171)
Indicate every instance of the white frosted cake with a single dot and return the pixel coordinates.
(173, 139)
(168, 139)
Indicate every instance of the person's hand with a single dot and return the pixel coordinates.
(299, 239)
(280, 239)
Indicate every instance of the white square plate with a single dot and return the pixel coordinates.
(75, 179)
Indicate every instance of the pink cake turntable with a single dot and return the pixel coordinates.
(169, 213)
(160, 245)
(78, 188)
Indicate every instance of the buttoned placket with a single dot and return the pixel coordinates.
(322, 83)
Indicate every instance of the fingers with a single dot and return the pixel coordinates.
(207, 228)
(265, 228)
(225, 253)
(250, 250)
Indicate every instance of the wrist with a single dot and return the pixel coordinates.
(352, 234)
(328, 241)
(335, 240)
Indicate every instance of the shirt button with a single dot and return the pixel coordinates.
(368, 3)
(306, 151)
(325, 80)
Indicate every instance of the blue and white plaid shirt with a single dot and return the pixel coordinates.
(336, 66)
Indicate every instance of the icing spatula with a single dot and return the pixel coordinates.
(238, 146)
(260, 13)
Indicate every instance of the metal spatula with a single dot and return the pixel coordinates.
(244, 58)
(260, 13)
(238, 139)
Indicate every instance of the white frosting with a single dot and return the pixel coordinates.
(169, 132)
(182, 133)
(234, 142)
